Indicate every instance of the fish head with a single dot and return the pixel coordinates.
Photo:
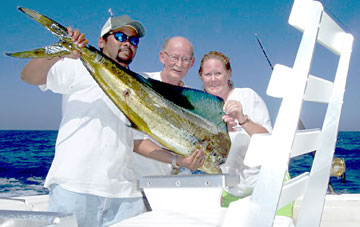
(216, 151)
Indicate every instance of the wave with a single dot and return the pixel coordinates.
(11, 187)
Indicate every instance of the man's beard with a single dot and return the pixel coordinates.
(126, 61)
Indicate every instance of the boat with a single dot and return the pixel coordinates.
(193, 200)
(339, 210)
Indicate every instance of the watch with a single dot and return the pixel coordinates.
(173, 162)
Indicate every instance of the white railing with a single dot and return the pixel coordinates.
(295, 85)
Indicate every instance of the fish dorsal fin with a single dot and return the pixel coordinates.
(196, 101)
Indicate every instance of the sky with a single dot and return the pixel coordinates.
(226, 26)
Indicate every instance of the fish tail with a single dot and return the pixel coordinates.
(56, 49)
(64, 47)
(51, 25)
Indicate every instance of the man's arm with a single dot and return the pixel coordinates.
(36, 70)
(151, 150)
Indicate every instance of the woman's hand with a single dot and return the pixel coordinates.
(234, 114)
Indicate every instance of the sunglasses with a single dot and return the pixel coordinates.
(121, 37)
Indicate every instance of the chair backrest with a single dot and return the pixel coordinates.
(295, 85)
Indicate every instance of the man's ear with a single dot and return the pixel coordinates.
(101, 42)
(162, 57)
(192, 62)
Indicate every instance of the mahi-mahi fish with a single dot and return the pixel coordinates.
(180, 119)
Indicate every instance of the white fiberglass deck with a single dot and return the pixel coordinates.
(340, 210)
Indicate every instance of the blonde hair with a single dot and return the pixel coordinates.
(219, 56)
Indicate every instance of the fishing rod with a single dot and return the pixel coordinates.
(338, 164)
(264, 52)
(300, 124)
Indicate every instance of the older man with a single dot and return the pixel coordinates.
(177, 57)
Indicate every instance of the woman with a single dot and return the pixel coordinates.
(246, 114)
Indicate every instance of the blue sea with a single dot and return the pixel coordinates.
(26, 156)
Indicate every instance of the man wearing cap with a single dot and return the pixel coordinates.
(90, 175)
(118, 30)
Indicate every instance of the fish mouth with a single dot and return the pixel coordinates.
(209, 168)
(212, 163)
(221, 161)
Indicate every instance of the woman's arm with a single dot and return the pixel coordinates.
(234, 111)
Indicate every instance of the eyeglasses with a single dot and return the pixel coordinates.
(175, 58)
(121, 37)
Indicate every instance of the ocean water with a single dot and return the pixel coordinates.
(26, 156)
(348, 148)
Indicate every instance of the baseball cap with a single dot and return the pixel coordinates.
(124, 20)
